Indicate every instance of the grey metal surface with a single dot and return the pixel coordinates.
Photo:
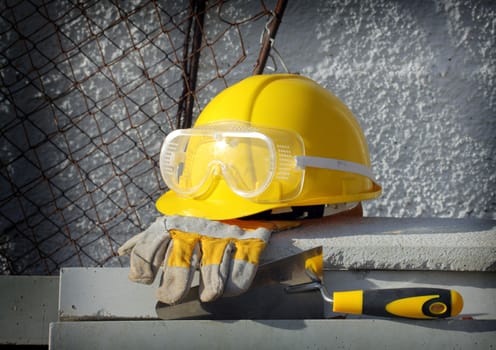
(27, 306)
(269, 302)
(271, 334)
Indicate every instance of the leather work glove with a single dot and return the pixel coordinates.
(227, 255)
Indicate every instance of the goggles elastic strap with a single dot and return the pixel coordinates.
(335, 164)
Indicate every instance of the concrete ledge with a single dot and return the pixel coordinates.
(104, 293)
(449, 253)
(283, 334)
(385, 252)
(394, 243)
(27, 306)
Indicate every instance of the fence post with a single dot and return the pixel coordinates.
(269, 36)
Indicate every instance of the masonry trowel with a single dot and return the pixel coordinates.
(266, 298)
(414, 303)
(293, 288)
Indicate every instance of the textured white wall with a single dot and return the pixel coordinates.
(420, 77)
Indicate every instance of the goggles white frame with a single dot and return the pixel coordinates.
(335, 164)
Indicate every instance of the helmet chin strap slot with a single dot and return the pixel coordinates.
(303, 212)
(290, 213)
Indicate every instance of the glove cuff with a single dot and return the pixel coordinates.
(214, 228)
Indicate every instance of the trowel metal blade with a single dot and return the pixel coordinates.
(266, 298)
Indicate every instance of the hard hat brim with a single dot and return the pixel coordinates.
(171, 203)
(235, 206)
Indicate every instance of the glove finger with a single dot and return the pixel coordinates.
(148, 253)
(243, 266)
(146, 260)
(214, 266)
(128, 246)
(181, 260)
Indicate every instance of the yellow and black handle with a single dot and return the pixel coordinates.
(418, 303)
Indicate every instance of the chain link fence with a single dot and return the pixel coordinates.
(89, 89)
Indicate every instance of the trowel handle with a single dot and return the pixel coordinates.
(419, 303)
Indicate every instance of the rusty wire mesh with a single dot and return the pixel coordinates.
(89, 89)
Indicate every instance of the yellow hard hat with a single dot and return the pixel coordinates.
(267, 142)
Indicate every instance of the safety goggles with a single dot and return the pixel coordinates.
(265, 165)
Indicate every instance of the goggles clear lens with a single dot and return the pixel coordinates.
(256, 163)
